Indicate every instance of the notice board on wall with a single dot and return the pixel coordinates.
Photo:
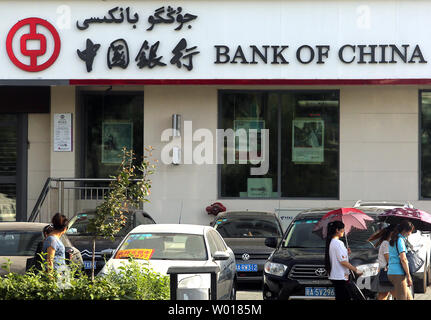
(63, 132)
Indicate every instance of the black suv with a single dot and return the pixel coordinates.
(296, 269)
(245, 233)
(83, 240)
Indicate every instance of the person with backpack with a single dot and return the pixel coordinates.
(398, 267)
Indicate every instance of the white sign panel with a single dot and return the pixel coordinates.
(287, 215)
(207, 40)
(63, 132)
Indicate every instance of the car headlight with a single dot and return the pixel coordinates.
(276, 269)
(369, 270)
(191, 282)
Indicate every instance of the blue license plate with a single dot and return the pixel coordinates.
(246, 267)
(319, 292)
(87, 264)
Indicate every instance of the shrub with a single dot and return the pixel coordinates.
(133, 281)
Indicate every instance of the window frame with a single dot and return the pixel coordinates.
(220, 92)
(82, 128)
(421, 91)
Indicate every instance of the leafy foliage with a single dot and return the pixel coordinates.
(130, 188)
(134, 281)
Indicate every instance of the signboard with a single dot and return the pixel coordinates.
(202, 40)
(259, 187)
(142, 254)
(287, 215)
(63, 132)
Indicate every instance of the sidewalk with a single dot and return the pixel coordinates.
(424, 296)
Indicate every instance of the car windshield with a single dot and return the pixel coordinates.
(163, 246)
(78, 226)
(19, 243)
(248, 227)
(301, 235)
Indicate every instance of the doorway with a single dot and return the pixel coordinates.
(13, 167)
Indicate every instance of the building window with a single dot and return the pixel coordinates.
(112, 121)
(303, 144)
(425, 143)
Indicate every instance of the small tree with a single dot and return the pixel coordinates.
(130, 188)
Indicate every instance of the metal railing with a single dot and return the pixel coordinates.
(69, 196)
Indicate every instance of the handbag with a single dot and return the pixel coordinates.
(414, 260)
(383, 277)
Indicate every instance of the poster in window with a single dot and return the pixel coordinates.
(308, 140)
(116, 136)
(242, 145)
(259, 187)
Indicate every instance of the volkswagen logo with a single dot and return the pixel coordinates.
(320, 272)
(245, 257)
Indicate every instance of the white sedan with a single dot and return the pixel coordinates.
(180, 245)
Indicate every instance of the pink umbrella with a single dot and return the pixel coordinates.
(419, 218)
(351, 217)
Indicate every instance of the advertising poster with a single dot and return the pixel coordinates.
(308, 140)
(247, 124)
(115, 136)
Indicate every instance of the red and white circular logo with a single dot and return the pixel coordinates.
(33, 44)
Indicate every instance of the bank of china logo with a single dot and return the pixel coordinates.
(320, 272)
(245, 257)
(33, 44)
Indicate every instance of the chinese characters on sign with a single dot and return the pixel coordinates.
(143, 254)
(88, 54)
(118, 54)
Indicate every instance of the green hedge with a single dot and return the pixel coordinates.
(134, 281)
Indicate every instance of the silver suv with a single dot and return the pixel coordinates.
(420, 240)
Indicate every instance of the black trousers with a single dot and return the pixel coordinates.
(343, 290)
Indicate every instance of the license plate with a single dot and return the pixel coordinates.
(87, 264)
(319, 292)
(246, 267)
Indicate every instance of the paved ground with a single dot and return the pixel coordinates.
(424, 296)
(253, 292)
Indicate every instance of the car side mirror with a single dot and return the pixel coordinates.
(220, 256)
(107, 253)
(271, 242)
